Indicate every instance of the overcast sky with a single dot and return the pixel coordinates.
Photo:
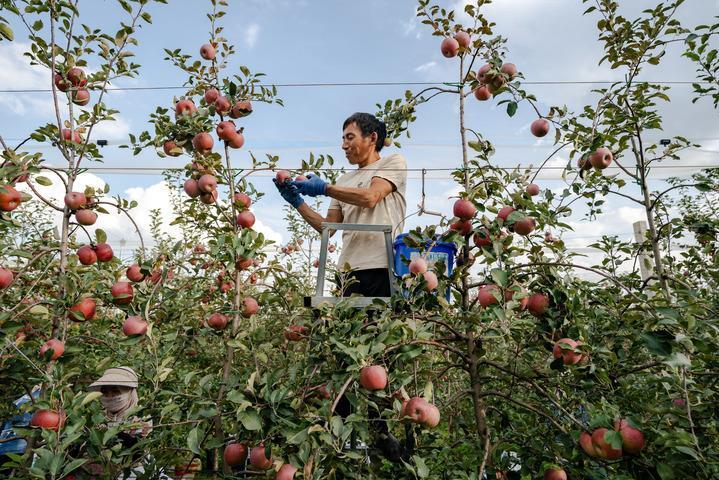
(373, 41)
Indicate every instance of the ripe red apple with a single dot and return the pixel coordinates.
(510, 293)
(57, 347)
(104, 252)
(9, 198)
(207, 52)
(83, 310)
(241, 109)
(601, 158)
(463, 38)
(76, 76)
(86, 255)
(75, 200)
(242, 200)
(249, 307)
(482, 73)
(295, 333)
(171, 149)
(464, 227)
(373, 377)
(286, 472)
(632, 438)
(555, 474)
(449, 47)
(48, 419)
(6, 278)
(61, 83)
(222, 104)
(482, 238)
(282, 176)
(134, 325)
(540, 127)
(237, 141)
(432, 416)
(134, 274)
(245, 219)
(585, 441)
(217, 321)
(509, 69)
(505, 212)
(211, 95)
(203, 143)
(185, 107)
(192, 189)
(431, 279)
(209, 198)
(85, 217)
(564, 349)
(604, 449)
(122, 293)
(496, 84)
(482, 93)
(243, 263)
(235, 454)
(464, 209)
(525, 226)
(488, 295)
(532, 189)
(71, 136)
(207, 183)
(258, 459)
(538, 304)
(418, 265)
(81, 97)
(417, 410)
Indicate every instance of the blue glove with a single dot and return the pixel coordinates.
(311, 187)
(289, 193)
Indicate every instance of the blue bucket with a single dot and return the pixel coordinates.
(441, 252)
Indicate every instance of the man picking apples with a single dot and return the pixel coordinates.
(374, 194)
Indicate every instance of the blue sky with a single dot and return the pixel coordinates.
(372, 41)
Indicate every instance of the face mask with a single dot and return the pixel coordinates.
(116, 403)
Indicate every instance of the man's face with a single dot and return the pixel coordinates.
(357, 148)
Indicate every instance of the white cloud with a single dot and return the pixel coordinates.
(251, 34)
(426, 66)
(115, 130)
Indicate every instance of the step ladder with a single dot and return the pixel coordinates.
(319, 299)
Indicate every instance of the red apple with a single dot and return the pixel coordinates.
(203, 143)
(482, 93)
(555, 474)
(417, 410)
(71, 136)
(464, 209)
(482, 73)
(242, 200)
(75, 200)
(241, 109)
(222, 104)
(282, 176)
(207, 52)
(83, 310)
(538, 304)
(134, 325)
(104, 252)
(449, 47)
(185, 107)
(250, 307)
(85, 217)
(295, 333)
(532, 189)
(525, 226)
(57, 347)
(61, 83)
(245, 219)
(488, 295)
(432, 416)
(122, 293)
(463, 39)
(6, 278)
(243, 263)
(431, 280)
(192, 189)
(482, 238)
(373, 377)
(76, 76)
(258, 459)
(211, 95)
(585, 441)
(86, 255)
(601, 158)
(511, 293)
(217, 321)
(9, 198)
(540, 127)
(171, 149)
(505, 212)
(237, 141)
(207, 183)
(632, 438)
(134, 274)
(564, 349)
(464, 227)
(209, 198)
(604, 449)
(81, 97)
(286, 472)
(509, 69)
(418, 265)
(48, 419)
(235, 454)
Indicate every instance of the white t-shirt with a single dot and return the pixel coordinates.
(365, 250)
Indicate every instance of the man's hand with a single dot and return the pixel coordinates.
(311, 187)
(289, 193)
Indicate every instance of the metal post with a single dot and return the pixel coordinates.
(323, 261)
(645, 261)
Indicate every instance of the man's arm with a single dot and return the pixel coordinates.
(315, 219)
(362, 197)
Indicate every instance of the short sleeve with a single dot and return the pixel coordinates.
(394, 170)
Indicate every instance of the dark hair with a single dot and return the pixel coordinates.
(368, 124)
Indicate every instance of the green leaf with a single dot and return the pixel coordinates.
(511, 108)
(44, 181)
(422, 470)
(678, 360)
(665, 471)
(689, 451)
(90, 397)
(499, 276)
(659, 343)
(100, 236)
(250, 420)
(193, 442)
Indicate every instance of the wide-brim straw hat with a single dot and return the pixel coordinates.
(118, 376)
